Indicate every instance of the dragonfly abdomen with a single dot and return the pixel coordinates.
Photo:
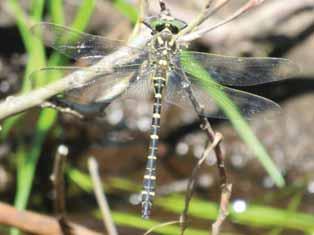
(149, 184)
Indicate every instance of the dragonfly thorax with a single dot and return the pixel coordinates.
(163, 48)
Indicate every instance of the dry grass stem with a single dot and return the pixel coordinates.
(201, 32)
(57, 178)
(223, 208)
(191, 184)
(101, 198)
(161, 226)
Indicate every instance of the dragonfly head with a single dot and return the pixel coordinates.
(165, 23)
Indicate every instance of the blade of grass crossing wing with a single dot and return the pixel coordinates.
(232, 112)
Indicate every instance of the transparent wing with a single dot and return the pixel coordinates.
(77, 45)
(238, 71)
(127, 81)
(248, 104)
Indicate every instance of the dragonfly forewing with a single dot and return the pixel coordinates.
(78, 45)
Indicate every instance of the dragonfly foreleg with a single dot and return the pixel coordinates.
(80, 110)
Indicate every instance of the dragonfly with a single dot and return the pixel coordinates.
(162, 69)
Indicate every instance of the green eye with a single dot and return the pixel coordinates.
(160, 27)
(179, 24)
(157, 24)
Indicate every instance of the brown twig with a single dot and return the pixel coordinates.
(225, 186)
(204, 15)
(36, 223)
(213, 143)
(201, 32)
(161, 226)
(101, 198)
(223, 208)
(191, 185)
(58, 185)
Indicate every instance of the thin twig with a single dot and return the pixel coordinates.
(225, 186)
(57, 179)
(161, 226)
(101, 198)
(199, 33)
(223, 208)
(204, 15)
(58, 185)
(191, 185)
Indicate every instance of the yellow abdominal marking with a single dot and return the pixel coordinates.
(150, 193)
(152, 157)
(154, 137)
(156, 115)
(159, 78)
(150, 177)
(163, 62)
(157, 95)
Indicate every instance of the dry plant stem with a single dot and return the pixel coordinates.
(58, 185)
(204, 15)
(223, 208)
(191, 184)
(35, 223)
(226, 187)
(199, 33)
(215, 139)
(161, 226)
(101, 198)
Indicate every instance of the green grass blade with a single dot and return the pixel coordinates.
(254, 215)
(127, 10)
(83, 15)
(37, 9)
(232, 112)
(28, 159)
(56, 11)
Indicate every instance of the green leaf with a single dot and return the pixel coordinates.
(233, 113)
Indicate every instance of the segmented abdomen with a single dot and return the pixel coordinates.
(148, 193)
